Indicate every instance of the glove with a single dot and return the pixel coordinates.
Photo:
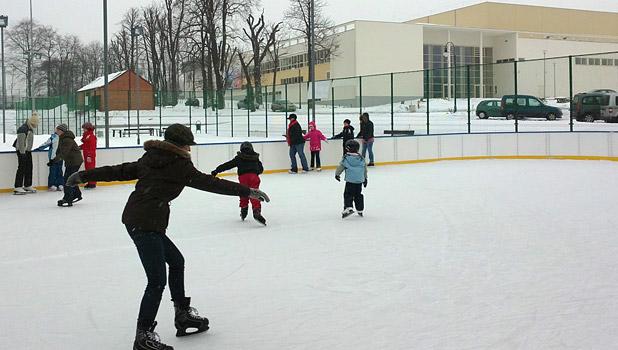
(365, 183)
(74, 180)
(214, 173)
(50, 163)
(257, 194)
(338, 178)
(88, 160)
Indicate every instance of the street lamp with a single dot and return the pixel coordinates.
(449, 48)
(137, 31)
(105, 73)
(4, 22)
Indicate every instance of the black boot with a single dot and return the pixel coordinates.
(243, 213)
(148, 339)
(187, 317)
(64, 203)
(257, 215)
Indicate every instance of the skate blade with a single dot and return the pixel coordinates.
(19, 193)
(184, 333)
(343, 216)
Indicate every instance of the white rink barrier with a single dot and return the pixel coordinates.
(388, 150)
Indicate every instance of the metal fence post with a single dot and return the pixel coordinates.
(515, 76)
(360, 94)
(392, 105)
(217, 113)
(427, 97)
(468, 94)
(249, 116)
(266, 109)
(205, 105)
(570, 93)
(286, 106)
(129, 113)
(232, 111)
(190, 108)
(332, 104)
(160, 113)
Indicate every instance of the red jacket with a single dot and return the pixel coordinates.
(89, 143)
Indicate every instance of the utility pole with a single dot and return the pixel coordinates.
(105, 74)
(4, 22)
(30, 61)
(312, 57)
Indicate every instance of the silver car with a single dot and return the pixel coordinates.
(609, 110)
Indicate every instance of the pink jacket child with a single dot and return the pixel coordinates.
(315, 138)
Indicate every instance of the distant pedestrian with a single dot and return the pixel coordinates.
(69, 152)
(346, 134)
(355, 177)
(89, 150)
(366, 136)
(55, 180)
(23, 148)
(296, 141)
(315, 138)
(249, 170)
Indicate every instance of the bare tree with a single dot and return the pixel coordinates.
(261, 40)
(24, 50)
(298, 19)
(274, 54)
(175, 29)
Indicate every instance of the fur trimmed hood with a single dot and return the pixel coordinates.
(166, 146)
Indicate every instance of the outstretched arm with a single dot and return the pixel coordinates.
(226, 166)
(209, 183)
(121, 172)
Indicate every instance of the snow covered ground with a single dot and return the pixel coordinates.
(236, 125)
(451, 255)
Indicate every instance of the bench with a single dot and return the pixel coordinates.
(399, 132)
(149, 131)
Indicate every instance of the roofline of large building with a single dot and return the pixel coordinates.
(508, 4)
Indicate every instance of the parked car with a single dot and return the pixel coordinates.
(525, 106)
(603, 91)
(488, 108)
(280, 106)
(587, 106)
(244, 104)
(609, 112)
(194, 102)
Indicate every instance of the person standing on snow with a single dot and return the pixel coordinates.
(249, 170)
(366, 136)
(315, 138)
(296, 141)
(68, 151)
(89, 150)
(55, 180)
(355, 178)
(23, 147)
(346, 134)
(162, 173)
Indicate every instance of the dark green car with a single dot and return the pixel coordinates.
(488, 108)
(283, 106)
(526, 106)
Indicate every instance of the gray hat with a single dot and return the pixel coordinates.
(63, 127)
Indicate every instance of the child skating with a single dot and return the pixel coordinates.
(346, 134)
(315, 138)
(55, 180)
(249, 170)
(355, 179)
(162, 173)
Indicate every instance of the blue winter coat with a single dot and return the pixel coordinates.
(354, 166)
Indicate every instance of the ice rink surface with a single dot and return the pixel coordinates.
(451, 255)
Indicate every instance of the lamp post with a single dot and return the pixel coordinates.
(137, 31)
(4, 22)
(449, 48)
(312, 57)
(544, 74)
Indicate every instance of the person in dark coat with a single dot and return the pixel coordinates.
(23, 147)
(69, 152)
(249, 170)
(366, 136)
(296, 141)
(162, 173)
(346, 134)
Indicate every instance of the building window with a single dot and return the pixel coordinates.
(293, 80)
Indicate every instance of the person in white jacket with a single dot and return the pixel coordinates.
(55, 180)
(23, 148)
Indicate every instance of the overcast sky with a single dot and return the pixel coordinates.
(85, 17)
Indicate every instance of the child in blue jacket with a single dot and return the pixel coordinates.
(55, 180)
(355, 179)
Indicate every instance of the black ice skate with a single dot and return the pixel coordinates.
(64, 203)
(360, 213)
(188, 318)
(347, 212)
(257, 215)
(243, 213)
(149, 340)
